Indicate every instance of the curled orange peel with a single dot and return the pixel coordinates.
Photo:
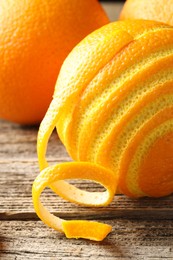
(112, 108)
(54, 177)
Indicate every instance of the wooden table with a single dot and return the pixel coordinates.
(142, 229)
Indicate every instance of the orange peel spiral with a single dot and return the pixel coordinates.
(113, 111)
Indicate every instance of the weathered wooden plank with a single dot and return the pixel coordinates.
(16, 178)
(19, 142)
(130, 239)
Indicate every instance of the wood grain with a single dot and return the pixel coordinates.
(18, 143)
(130, 239)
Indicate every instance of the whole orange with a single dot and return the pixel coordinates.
(158, 10)
(35, 38)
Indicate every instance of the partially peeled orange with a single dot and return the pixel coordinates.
(113, 110)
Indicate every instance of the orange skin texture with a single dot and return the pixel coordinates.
(157, 10)
(132, 52)
(155, 173)
(36, 36)
(117, 96)
(129, 153)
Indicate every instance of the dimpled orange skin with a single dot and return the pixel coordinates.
(36, 37)
(113, 109)
(158, 10)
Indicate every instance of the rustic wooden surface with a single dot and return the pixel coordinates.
(142, 229)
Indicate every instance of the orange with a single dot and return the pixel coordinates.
(113, 110)
(158, 10)
(36, 37)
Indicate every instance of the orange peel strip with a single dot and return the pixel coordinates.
(46, 128)
(53, 177)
